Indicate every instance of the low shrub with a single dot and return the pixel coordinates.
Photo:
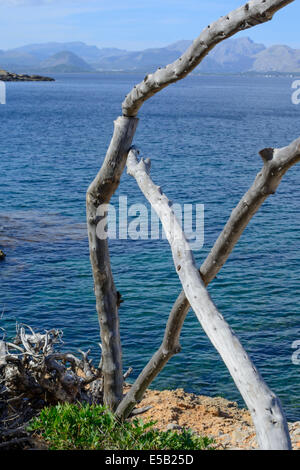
(93, 427)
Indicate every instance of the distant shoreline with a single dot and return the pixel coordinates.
(32, 77)
(14, 77)
(194, 74)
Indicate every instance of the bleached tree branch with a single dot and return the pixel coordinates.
(99, 194)
(276, 163)
(106, 182)
(265, 408)
(251, 14)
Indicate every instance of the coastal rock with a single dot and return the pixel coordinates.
(230, 426)
(174, 427)
(14, 77)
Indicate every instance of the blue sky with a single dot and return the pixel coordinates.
(130, 24)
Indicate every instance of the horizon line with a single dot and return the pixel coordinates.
(146, 48)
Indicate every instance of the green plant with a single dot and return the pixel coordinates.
(93, 427)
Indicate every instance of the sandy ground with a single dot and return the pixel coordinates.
(230, 426)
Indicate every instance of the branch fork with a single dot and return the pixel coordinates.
(264, 405)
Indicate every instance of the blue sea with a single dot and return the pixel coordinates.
(203, 135)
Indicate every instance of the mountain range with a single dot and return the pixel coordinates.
(237, 55)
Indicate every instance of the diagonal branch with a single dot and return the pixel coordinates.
(276, 164)
(108, 178)
(251, 14)
(267, 414)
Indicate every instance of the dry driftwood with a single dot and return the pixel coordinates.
(106, 182)
(276, 163)
(265, 408)
(34, 374)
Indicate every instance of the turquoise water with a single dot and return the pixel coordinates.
(203, 135)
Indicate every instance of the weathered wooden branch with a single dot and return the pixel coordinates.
(98, 195)
(140, 411)
(265, 408)
(265, 184)
(33, 374)
(128, 373)
(251, 14)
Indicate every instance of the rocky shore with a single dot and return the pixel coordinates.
(230, 426)
(14, 77)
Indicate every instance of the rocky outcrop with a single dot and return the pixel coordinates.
(14, 77)
(231, 427)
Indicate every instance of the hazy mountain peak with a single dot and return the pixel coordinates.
(180, 46)
(234, 55)
(65, 61)
(278, 58)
